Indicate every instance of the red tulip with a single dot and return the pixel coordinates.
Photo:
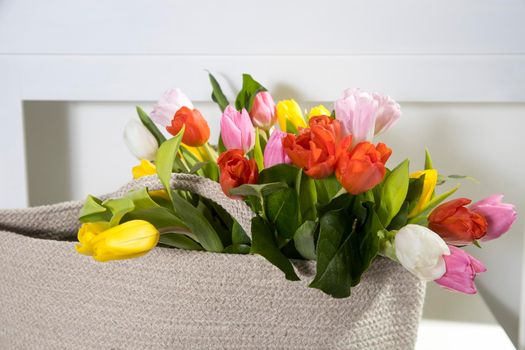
(236, 170)
(363, 167)
(196, 132)
(457, 224)
(312, 150)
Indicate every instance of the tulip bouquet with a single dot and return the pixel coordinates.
(317, 185)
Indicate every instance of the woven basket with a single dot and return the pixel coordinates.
(53, 298)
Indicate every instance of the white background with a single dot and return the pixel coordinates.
(458, 68)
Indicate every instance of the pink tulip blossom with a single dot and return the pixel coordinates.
(500, 216)
(263, 111)
(168, 105)
(237, 130)
(274, 152)
(461, 270)
(364, 115)
(388, 113)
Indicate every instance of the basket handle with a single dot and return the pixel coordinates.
(60, 221)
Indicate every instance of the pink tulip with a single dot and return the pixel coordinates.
(388, 113)
(461, 270)
(500, 216)
(263, 111)
(364, 115)
(168, 105)
(237, 130)
(274, 152)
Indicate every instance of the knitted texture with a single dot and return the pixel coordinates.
(53, 298)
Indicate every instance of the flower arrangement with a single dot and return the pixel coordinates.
(319, 188)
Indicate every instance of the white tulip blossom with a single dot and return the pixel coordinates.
(168, 105)
(141, 143)
(420, 250)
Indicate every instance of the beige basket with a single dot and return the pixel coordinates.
(53, 298)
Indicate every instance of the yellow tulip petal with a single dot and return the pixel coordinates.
(291, 111)
(145, 168)
(318, 110)
(130, 239)
(429, 185)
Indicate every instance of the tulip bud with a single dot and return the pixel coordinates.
(461, 270)
(168, 105)
(499, 216)
(140, 141)
(289, 111)
(237, 130)
(236, 170)
(128, 240)
(274, 152)
(421, 251)
(429, 184)
(457, 224)
(318, 111)
(263, 111)
(196, 129)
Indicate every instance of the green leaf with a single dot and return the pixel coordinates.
(304, 240)
(401, 219)
(345, 249)
(428, 160)
(148, 123)
(257, 151)
(239, 236)
(327, 188)
(217, 95)
(118, 207)
(179, 241)
(258, 191)
(197, 223)
(290, 128)
(263, 243)
(165, 159)
(333, 255)
(237, 249)
(93, 211)
(147, 209)
(282, 210)
(394, 192)
(284, 173)
(250, 88)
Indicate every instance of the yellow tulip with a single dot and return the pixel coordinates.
(318, 110)
(289, 110)
(145, 168)
(86, 233)
(125, 241)
(429, 184)
(198, 152)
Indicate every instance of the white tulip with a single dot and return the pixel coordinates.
(168, 105)
(420, 250)
(140, 141)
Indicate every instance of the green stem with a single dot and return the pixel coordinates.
(210, 152)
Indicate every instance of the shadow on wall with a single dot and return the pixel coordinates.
(48, 159)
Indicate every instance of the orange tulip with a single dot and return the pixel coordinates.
(312, 150)
(363, 167)
(196, 132)
(457, 224)
(330, 124)
(236, 170)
